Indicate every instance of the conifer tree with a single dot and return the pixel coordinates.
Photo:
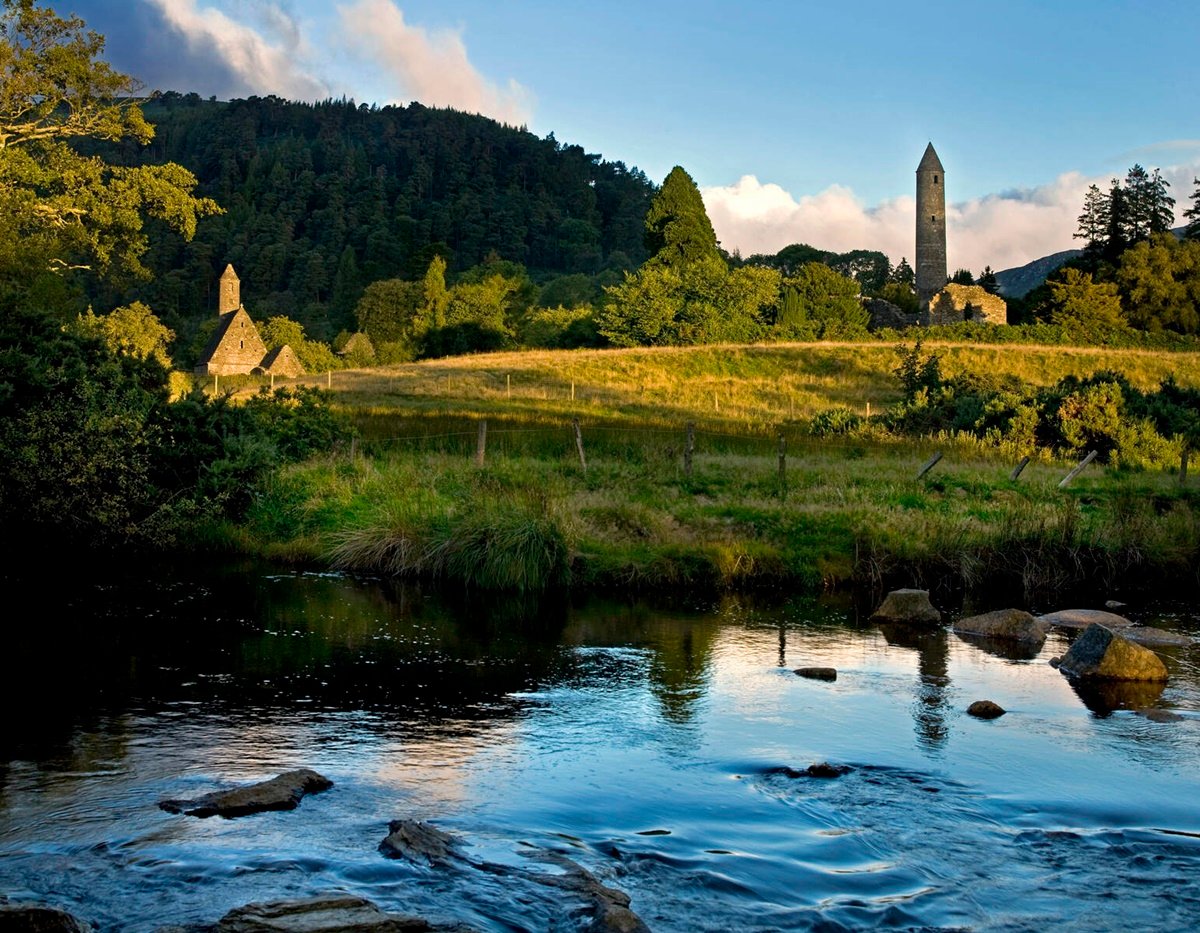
(1192, 231)
(678, 230)
(987, 281)
(1094, 221)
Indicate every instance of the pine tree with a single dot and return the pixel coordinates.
(1093, 222)
(1139, 201)
(1117, 234)
(678, 231)
(903, 273)
(1192, 231)
(1161, 205)
(987, 281)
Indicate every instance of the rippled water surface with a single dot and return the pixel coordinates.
(651, 745)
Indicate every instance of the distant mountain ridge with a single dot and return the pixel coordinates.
(1021, 280)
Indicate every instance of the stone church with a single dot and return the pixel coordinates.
(235, 346)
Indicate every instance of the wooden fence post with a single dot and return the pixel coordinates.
(1183, 464)
(329, 379)
(782, 466)
(688, 447)
(1018, 468)
(481, 442)
(216, 383)
(929, 464)
(572, 390)
(508, 384)
(1079, 469)
(579, 444)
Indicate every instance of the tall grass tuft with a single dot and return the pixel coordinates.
(505, 545)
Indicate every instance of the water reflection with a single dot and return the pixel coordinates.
(930, 704)
(579, 725)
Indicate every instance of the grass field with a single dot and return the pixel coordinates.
(413, 501)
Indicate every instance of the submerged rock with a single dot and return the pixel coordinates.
(1006, 624)
(986, 709)
(1100, 653)
(1156, 637)
(280, 793)
(609, 907)
(909, 606)
(816, 673)
(1082, 618)
(36, 918)
(413, 839)
(821, 769)
(1154, 714)
(331, 914)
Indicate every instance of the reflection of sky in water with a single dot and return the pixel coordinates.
(646, 743)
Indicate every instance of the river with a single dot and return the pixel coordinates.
(647, 742)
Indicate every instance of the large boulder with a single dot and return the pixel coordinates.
(35, 918)
(331, 914)
(1007, 624)
(1082, 618)
(911, 607)
(280, 793)
(1100, 653)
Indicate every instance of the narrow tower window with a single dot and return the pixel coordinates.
(935, 179)
(932, 219)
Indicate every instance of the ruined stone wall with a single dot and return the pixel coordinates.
(957, 303)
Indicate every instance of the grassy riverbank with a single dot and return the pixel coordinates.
(413, 500)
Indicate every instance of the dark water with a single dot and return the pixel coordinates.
(644, 743)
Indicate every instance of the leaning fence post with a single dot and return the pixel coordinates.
(579, 444)
(1018, 468)
(481, 442)
(782, 465)
(1078, 469)
(929, 464)
(688, 448)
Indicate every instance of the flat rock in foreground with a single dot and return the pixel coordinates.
(35, 918)
(1099, 653)
(280, 793)
(331, 914)
(908, 606)
(1008, 624)
(1082, 618)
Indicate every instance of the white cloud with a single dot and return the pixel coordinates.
(429, 66)
(276, 63)
(997, 230)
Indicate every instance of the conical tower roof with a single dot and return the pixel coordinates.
(229, 273)
(930, 161)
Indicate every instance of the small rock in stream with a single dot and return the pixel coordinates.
(985, 709)
(414, 839)
(821, 769)
(816, 673)
(1155, 714)
(908, 606)
(280, 793)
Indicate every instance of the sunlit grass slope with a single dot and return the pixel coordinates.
(414, 501)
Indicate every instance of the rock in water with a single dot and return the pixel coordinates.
(911, 606)
(1013, 624)
(413, 839)
(333, 914)
(985, 709)
(1156, 637)
(1082, 618)
(279, 793)
(816, 673)
(1102, 654)
(34, 918)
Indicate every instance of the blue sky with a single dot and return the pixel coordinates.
(800, 121)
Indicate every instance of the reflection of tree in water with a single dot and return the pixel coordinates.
(933, 666)
(679, 670)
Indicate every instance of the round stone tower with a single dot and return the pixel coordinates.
(931, 227)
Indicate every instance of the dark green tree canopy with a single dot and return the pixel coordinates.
(677, 226)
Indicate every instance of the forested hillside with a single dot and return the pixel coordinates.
(322, 199)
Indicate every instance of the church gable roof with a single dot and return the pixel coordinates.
(282, 361)
(235, 346)
(930, 161)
